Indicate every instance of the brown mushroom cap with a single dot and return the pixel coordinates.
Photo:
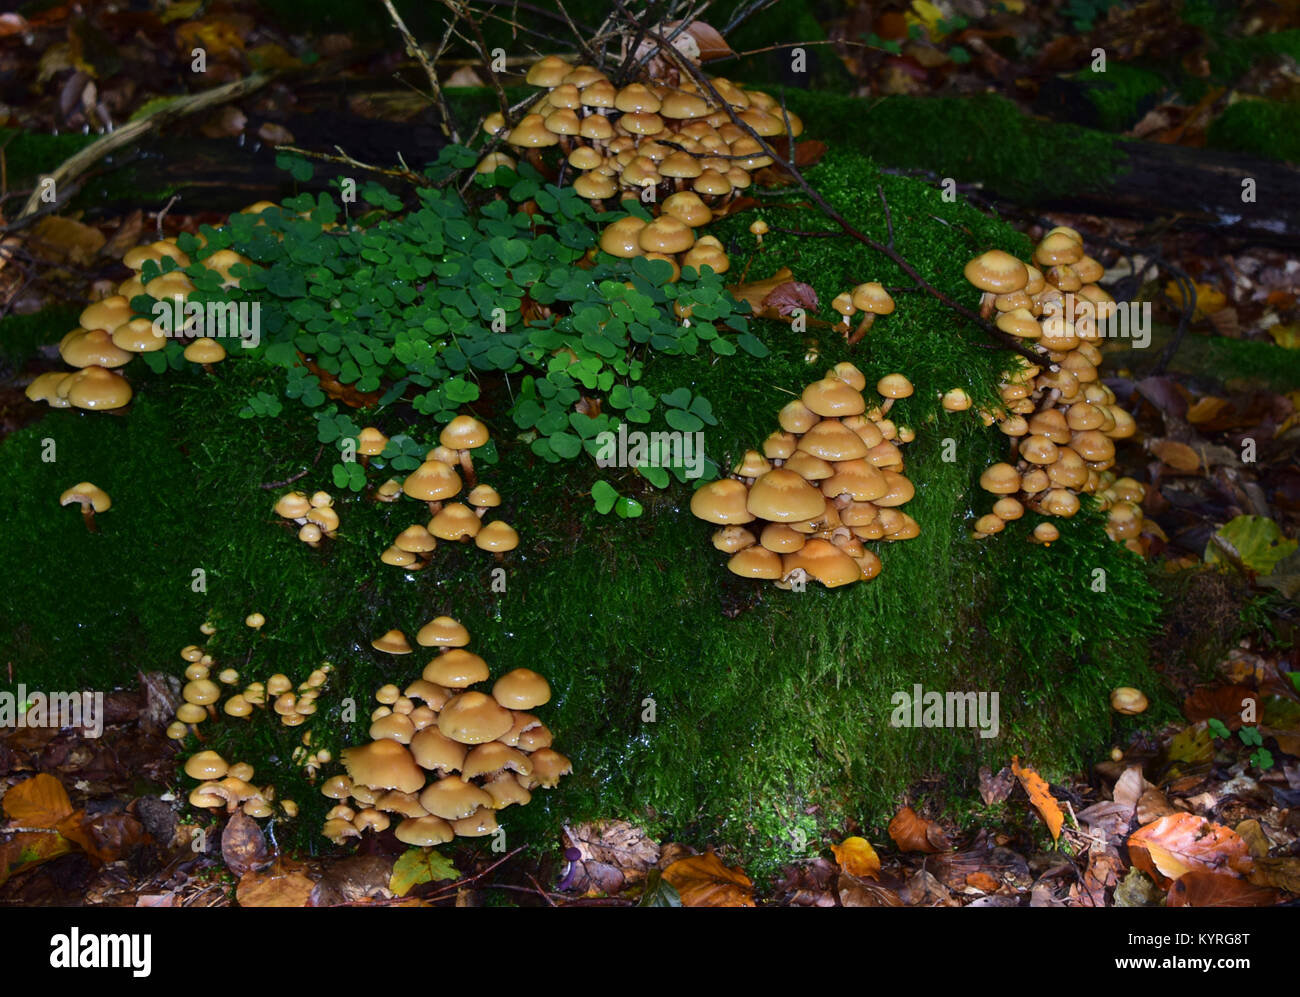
(464, 433)
(107, 313)
(456, 669)
(415, 540)
(423, 832)
(997, 272)
(622, 238)
(497, 537)
(1128, 701)
(722, 502)
(392, 642)
(493, 757)
(472, 718)
(432, 481)
(505, 791)
(666, 234)
(205, 765)
(860, 479)
(872, 297)
(830, 439)
(454, 521)
(824, 562)
(84, 347)
(832, 397)
(521, 689)
(85, 493)
(452, 798)
(755, 562)
(548, 767)
(434, 750)
(781, 496)
(442, 631)
(383, 765)
(1000, 479)
(96, 388)
(894, 386)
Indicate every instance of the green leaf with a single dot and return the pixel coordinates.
(1256, 540)
(604, 495)
(419, 865)
(658, 892)
(1217, 728)
(678, 398)
(1250, 737)
(628, 508)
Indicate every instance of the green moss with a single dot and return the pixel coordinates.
(771, 709)
(1121, 94)
(1230, 57)
(1266, 128)
(29, 155)
(985, 138)
(20, 335)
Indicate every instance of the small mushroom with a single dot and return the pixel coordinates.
(91, 498)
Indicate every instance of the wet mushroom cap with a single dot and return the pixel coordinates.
(463, 433)
(473, 717)
(423, 832)
(442, 631)
(452, 798)
(87, 494)
(781, 496)
(722, 502)
(434, 750)
(456, 669)
(383, 765)
(393, 642)
(497, 537)
(521, 689)
(996, 271)
(205, 765)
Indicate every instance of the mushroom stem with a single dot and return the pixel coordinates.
(888, 404)
(987, 303)
(861, 330)
(480, 511)
(435, 507)
(467, 465)
(88, 517)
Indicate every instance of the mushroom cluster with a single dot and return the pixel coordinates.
(315, 515)
(829, 479)
(437, 480)
(230, 786)
(673, 148)
(202, 695)
(871, 299)
(444, 758)
(1062, 422)
(109, 334)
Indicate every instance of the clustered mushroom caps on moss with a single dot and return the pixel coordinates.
(223, 785)
(315, 515)
(871, 299)
(109, 334)
(830, 478)
(1061, 420)
(670, 147)
(485, 752)
(437, 480)
(202, 696)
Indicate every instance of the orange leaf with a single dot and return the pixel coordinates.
(28, 848)
(1040, 796)
(856, 857)
(913, 833)
(1168, 848)
(40, 801)
(703, 881)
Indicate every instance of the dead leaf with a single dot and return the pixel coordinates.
(704, 881)
(62, 240)
(1178, 456)
(786, 298)
(40, 801)
(1253, 834)
(1225, 703)
(1283, 874)
(273, 134)
(282, 885)
(996, 788)
(1040, 796)
(913, 833)
(856, 892)
(1215, 889)
(243, 846)
(856, 857)
(1168, 848)
(982, 881)
(924, 890)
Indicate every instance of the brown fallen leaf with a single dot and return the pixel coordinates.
(913, 833)
(785, 298)
(40, 801)
(1178, 456)
(982, 881)
(996, 788)
(1282, 874)
(1216, 889)
(704, 881)
(1224, 703)
(857, 892)
(282, 885)
(243, 845)
(1040, 796)
(62, 240)
(1172, 846)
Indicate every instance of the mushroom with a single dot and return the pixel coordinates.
(873, 299)
(463, 434)
(91, 498)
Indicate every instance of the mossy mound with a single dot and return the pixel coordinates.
(771, 709)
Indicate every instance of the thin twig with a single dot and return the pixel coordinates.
(465, 13)
(413, 49)
(889, 219)
(405, 173)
